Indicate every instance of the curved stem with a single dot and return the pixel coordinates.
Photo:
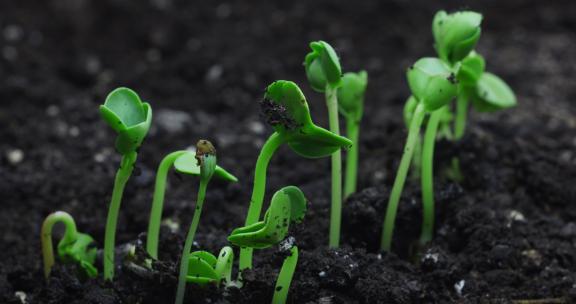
(285, 277)
(122, 176)
(336, 206)
(158, 202)
(461, 115)
(352, 132)
(190, 240)
(390, 219)
(70, 235)
(428, 176)
(255, 208)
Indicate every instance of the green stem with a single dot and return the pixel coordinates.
(352, 131)
(122, 176)
(70, 236)
(416, 159)
(390, 219)
(461, 115)
(158, 202)
(336, 206)
(270, 146)
(428, 176)
(190, 240)
(285, 277)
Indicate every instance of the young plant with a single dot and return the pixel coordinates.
(206, 161)
(286, 110)
(288, 205)
(433, 86)
(130, 118)
(184, 162)
(351, 106)
(74, 247)
(204, 268)
(325, 76)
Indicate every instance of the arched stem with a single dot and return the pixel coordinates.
(70, 236)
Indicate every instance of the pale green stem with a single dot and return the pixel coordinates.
(70, 236)
(152, 236)
(285, 277)
(336, 206)
(390, 219)
(461, 115)
(270, 146)
(352, 131)
(122, 176)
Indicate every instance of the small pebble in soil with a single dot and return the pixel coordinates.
(74, 131)
(52, 110)
(322, 274)
(21, 296)
(214, 73)
(459, 286)
(15, 156)
(256, 127)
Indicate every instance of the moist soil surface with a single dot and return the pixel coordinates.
(506, 232)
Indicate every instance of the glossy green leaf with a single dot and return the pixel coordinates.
(286, 109)
(351, 94)
(471, 69)
(456, 34)
(82, 252)
(492, 94)
(322, 66)
(205, 268)
(288, 205)
(187, 164)
(432, 82)
(128, 116)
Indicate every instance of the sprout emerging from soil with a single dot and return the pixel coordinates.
(131, 119)
(204, 268)
(286, 109)
(288, 205)
(185, 162)
(351, 106)
(325, 75)
(74, 247)
(433, 86)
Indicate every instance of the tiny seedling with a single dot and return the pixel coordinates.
(204, 268)
(325, 76)
(286, 110)
(74, 247)
(351, 106)
(130, 118)
(184, 162)
(206, 161)
(433, 86)
(288, 205)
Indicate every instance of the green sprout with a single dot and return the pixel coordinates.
(325, 76)
(286, 110)
(456, 36)
(351, 106)
(131, 119)
(288, 205)
(183, 162)
(206, 161)
(204, 268)
(433, 86)
(74, 247)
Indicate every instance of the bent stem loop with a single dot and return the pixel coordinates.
(413, 132)
(122, 176)
(353, 133)
(208, 166)
(158, 203)
(285, 277)
(336, 206)
(428, 176)
(270, 146)
(70, 236)
(461, 115)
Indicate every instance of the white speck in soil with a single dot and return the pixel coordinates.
(256, 127)
(287, 244)
(171, 224)
(100, 157)
(52, 110)
(379, 256)
(21, 296)
(379, 175)
(74, 131)
(172, 121)
(12, 33)
(322, 274)
(214, 73)
(459, 286)
(15, 156)
(515, 216)
(432, 257)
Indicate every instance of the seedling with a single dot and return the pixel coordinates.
(325, 76)
(204, 268)
(74, 247)
(206, 161)
(351, 106)
(433, 86)
(286, 110)
(130, 118)
(288, 205)
(184, 162)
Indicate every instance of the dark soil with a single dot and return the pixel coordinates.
(506, 233)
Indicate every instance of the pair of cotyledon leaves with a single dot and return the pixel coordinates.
(81, 251)
(205, 268)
